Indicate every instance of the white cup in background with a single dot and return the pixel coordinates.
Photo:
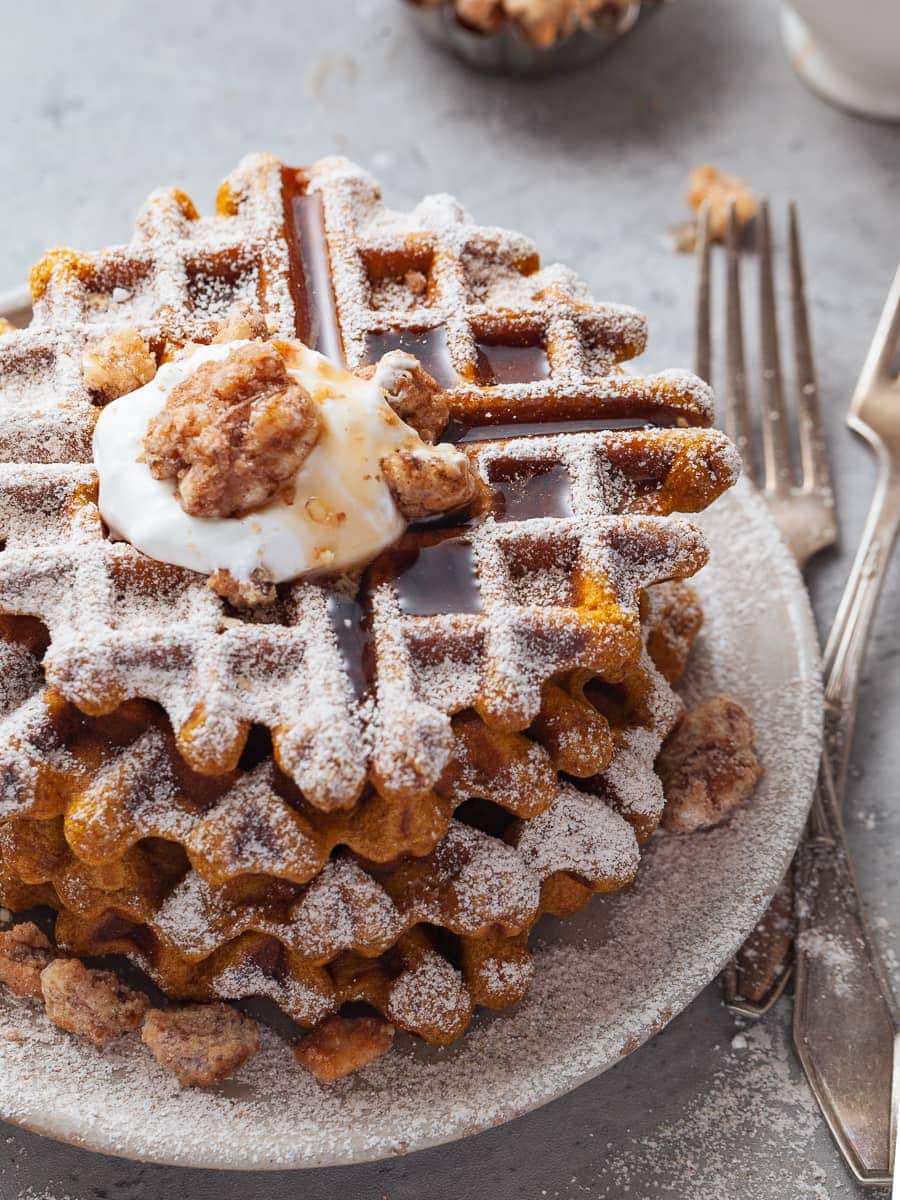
(848, 51)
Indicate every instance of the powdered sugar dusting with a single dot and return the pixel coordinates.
(502, 975)
(753, 1101)
(429, 994)
(836, 957)
(474, 271)
(630, 776)
(579, 833)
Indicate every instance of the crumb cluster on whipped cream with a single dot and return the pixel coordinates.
(341, 506)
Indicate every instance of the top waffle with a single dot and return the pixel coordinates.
(358, 687)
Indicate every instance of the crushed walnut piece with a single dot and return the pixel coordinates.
(24, 953)
(242, 323)
(708, 766)
(342, 1045)
(708, 185)
(94, 1004)
(117, 364)
(233, 434)
(427, 481)
(417, 282)
(258, 590)
(673, 618)
(202, 1043)
(411, 392)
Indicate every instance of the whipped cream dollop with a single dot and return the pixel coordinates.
(342, 513)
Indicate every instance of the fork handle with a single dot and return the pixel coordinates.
(844, 1013)
(757, 974)
(846, 647)
(844, 1021)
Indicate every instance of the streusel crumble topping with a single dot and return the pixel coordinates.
(233, 434)
(257, 462)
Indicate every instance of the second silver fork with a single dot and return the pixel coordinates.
(803, 508)
(844, 1023)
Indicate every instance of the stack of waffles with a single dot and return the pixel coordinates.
(371, 790)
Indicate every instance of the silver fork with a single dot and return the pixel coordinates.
(852, 1076)
(844, 1024)
(803, 510)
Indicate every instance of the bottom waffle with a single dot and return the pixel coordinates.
(421, 938)
(451, 924)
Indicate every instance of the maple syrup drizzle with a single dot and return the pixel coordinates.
(440, 579)
(428, 345)
(511, 364)
(323, 331)
(545, 494)
(460, 434)
(351, 628)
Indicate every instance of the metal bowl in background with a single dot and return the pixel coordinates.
(510, 52)
(15, 306)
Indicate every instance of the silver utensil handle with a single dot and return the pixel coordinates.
(846, 648)
(756, 982)
(844, 1008)
(843, 1015)
(895, 1137)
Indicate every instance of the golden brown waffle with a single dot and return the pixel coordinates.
(123, 627)
(485, 664)
(345, 935)
(551, 599)
(472, 885)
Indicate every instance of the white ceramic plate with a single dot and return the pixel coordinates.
(605, 981)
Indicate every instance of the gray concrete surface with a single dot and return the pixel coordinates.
(103, 101)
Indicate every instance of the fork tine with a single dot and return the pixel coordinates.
(776, 448)
(703, 315)
(813, 456)
(737, 420)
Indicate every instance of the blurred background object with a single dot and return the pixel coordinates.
(848, 53)
(527, 37)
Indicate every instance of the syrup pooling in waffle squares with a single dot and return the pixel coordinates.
(476, 667)
(483, 297)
